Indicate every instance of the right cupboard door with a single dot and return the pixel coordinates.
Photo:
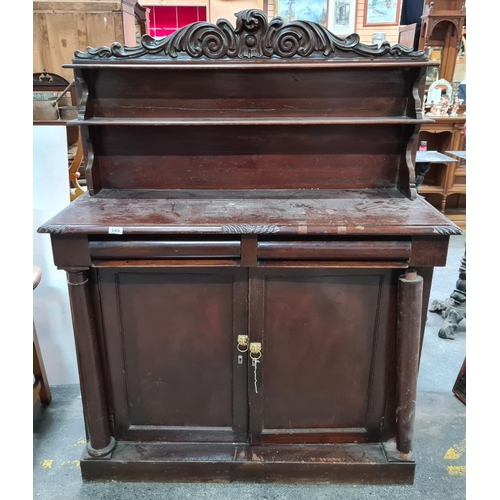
(327, 337)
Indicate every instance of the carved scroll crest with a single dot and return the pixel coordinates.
(253, 37)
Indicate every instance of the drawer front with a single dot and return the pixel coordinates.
(165, 249)
(334, 250)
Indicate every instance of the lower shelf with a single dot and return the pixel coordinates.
(372, 463)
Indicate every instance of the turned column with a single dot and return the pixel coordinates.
(409, 319)
(100, 442)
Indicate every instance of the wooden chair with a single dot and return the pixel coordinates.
(76, 189)
(40, 385)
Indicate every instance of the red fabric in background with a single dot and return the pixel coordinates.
(165, 20)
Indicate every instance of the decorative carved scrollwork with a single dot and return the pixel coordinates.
(46, 228)
(253, 37)
(448, 230)
(249, 229)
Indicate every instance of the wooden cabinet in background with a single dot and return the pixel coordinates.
(250, 269)
(441, 33)
(60, 28)
(407, 35)
(456, 189)
(444, 185)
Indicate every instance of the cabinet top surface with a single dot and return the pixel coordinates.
(286, 212)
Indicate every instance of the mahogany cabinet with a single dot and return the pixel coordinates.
(250, 269)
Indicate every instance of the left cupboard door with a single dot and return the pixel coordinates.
(170, 336)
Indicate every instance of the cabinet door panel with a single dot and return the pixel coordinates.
(171, 348)
(326, 343)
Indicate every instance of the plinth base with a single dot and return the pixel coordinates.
(371, 463)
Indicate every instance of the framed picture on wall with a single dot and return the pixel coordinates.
(304, 10)
(339, 16)
(382, 12)
(342, 16)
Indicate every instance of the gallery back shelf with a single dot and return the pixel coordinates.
(252, 118)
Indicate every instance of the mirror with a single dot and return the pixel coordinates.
(438, 89)
(434, 54)
(442, 99)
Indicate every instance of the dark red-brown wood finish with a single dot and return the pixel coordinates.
(250, 269)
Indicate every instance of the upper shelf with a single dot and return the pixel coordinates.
(252, 118)
(258, 64)
(302, 108)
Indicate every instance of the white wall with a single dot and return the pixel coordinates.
(51, 309)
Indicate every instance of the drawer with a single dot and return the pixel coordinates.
(334, 250)
(165, 248)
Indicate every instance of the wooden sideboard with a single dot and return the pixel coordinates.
(249, 271)
(442, 27)
(444, 185)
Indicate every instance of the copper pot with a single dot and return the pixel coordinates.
(68, 112)
(44, 110)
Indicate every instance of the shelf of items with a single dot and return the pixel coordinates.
(444, 134)
(436, 178)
